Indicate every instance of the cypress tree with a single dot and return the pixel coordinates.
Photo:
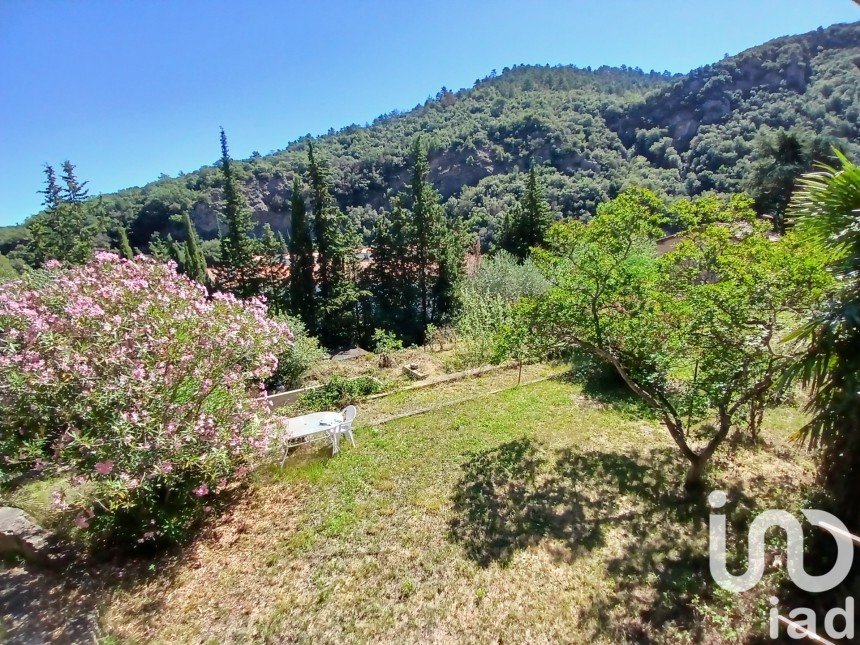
(238, 249)
(536, 214)
(124, 247)
(274, 287)
(321, 203)
(430, 238)
(195, 261)
(337, 240)
(526, 227)
(392, 278)
(301, 249)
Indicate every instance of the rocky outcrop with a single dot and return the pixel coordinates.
(20, 535)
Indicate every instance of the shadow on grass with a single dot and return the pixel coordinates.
(602, 384)
(519, 494)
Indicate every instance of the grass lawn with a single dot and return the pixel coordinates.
(535, 514)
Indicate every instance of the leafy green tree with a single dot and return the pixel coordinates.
(827, 205)
(301, 249)
(240, 264)
(695, 334)
(195, 261)
(386, 343)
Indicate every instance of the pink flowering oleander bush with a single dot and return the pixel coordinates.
(131, 379)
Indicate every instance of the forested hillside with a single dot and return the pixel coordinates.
(591, 133)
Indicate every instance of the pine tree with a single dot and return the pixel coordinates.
(238, 248)
(337, 240)
(339, 311)
(62, 232)
(195, 261)
(75, 191)
(124, 246)
(537, 216)
(52, 192)
(301, 249)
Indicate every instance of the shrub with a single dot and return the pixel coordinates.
(480, 324)
(340, 391)
(298, 358)
(129, 378)
(385, 343)
(502, 275)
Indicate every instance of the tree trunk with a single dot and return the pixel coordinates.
(695, 473)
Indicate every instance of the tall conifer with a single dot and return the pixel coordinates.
(301, 248)
(238, 249)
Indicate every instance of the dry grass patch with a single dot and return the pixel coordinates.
(534, 514)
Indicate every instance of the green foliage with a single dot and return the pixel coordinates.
(503, 275)
(337, 239)
(65, 230)
(591, 132)
(7, 271)
(339, 391)
(526, 227)
(139, 386)
(195, 261)
(487, 328)
(124, 246)
(693, 333)
(238, 249)
(385, 343)
(782, 156)
(296, 359)
(302, 285)
(827, 206)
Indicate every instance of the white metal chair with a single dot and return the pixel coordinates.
(345, 427)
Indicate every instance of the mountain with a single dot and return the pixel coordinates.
(592, 132)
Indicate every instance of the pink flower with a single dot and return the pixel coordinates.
(201, 490)
(104, 467)
(167, 467)
(82, 521)
(58, 500)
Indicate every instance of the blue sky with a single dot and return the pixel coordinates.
(129, 90)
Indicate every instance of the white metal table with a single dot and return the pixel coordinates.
(312, 427)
